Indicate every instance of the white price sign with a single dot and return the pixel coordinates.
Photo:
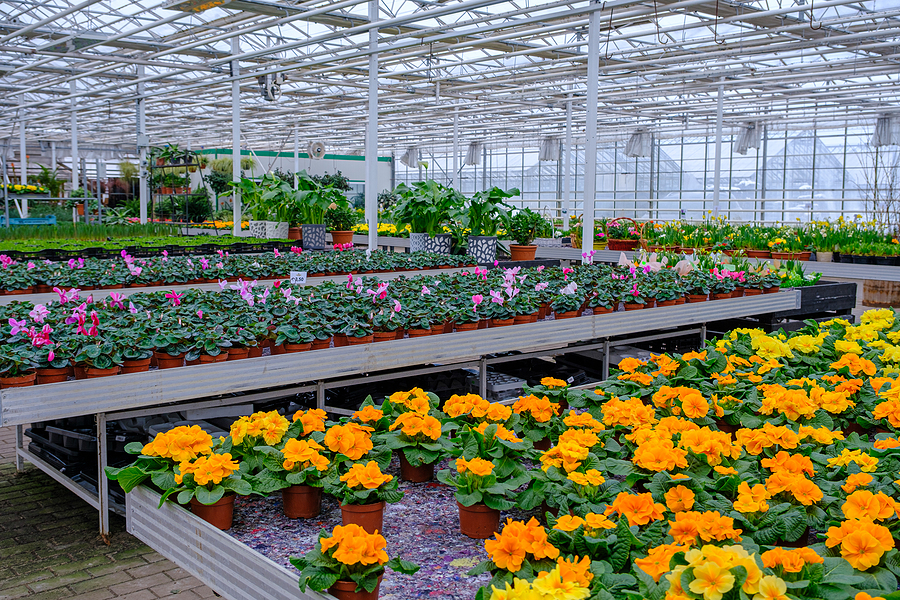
(298, 277)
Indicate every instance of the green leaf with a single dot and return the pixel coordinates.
(205, 496)
(322, 580)
(128, 477)
(469, 499)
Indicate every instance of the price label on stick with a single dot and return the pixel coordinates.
(298, 277)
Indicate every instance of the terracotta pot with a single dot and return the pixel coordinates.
(167, 361)
(291, 348)
(238, 353)
(622, 244)
(294, 233)
(346, 590)
(758, 254)
(340, 340)
(448, 327)
(206, 359)
(665, 302)
(368, 516)
(771, 290)
(384, 336)
(502, 322)
(783, 255)
(721, 296)
(738, 293)
(51, 375)
(358, 341)
(321, 344)
(634, 306)
(42, 289)
(518, 252)
(301, 501)
(219, 514)
(466, 326)
(752, 292)
(478, 521)
(17, 382)
(135, 366)
(415, 333)
(94, 373)
(254, 352)
(697, 298)
(79, 372)
(278, 350)
(19, 292)
(681, 300)
(543, 311)
(401, 334)
(569, 314)
(522, 319)
(418, 474)
(341, 237)
(483, 323)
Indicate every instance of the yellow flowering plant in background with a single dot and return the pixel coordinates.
(348, 553)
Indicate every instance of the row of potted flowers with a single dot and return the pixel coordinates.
(29, 276)
(740, 469)
(76, 335)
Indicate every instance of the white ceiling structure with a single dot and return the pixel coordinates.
(508, 67)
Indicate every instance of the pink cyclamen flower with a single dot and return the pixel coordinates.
(222, 284)
(541, 286)
(31, 265)
(17, 326)
(116, 299)
(277, 284)
(200, 313)
(38, 313)
(477, 299)
(51, 356)
(540, 268)
(175, 297)
(425, 290)
(132, 308)
(496, 297)
(397, 306)
(165, 254)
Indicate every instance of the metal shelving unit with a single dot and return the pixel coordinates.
(266, 378)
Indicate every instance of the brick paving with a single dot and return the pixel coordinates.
(50, 547)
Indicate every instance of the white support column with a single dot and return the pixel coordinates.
(75, 181)
(718, 164)
(590, 132)
(142, 142)
(567, 169)
(23, 157)
(236, 136)
(53, 156)
(296, 157)
(454, 181)
(372, 133)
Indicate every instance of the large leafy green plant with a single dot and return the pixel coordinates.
(251, 198)
(314, 198)
(486, 211)
(425, 206)
(524, 226)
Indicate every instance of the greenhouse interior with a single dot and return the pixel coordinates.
(519, 177)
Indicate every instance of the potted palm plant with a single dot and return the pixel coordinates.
(522, 227)
(485, 213)
(425, 206)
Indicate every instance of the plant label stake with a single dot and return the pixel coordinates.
(298, 278)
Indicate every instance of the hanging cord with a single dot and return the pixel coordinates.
(660, 38)
(812, 5)
(716, 26)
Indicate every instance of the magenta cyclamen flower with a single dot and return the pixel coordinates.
(496, 297)
(175, 297)
(17, 326)
(38, 313)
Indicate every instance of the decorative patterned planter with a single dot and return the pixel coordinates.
(483, 248)
(313, 237)
(422, 242)
(276, 230)
(258, 229)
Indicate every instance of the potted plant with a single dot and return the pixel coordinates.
(485, 213)
(17, 364)
(209, 483)
(523, 227)
(253, 204)
(425, 206)
(417, 438)
(298, 468)
(340, 219)
(363, 491)
(312, 199)
(349, 564)
(480, 496)
(76, 201)
(623, 234)
(278, 198)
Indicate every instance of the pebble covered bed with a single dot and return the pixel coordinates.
(422, 528)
